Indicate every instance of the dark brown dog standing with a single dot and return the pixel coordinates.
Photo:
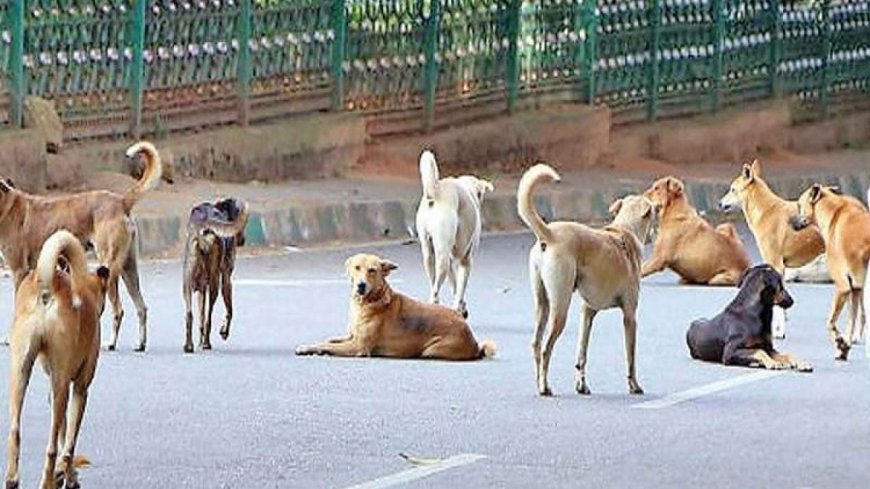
(57, 320)
(213, 233)
(99, 217)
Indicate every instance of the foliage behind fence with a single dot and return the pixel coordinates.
(116, 67)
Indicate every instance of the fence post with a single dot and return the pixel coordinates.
(16, 62)
(243, 68)
(718, 41)
(339, 27)
(775, 48)
(590, 23)
(826, 55)
(512, 70)
(655, 23)
(137, 71)
(430, 81)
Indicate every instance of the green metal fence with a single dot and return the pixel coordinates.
(122, 67)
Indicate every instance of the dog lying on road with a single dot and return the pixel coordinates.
(603, 265)
(690, 246)
(213, 233)
(845, 226)
(741, 334)
(448, 225)
(767, 216)
(57, 320)
(386, 323)
(98, 217)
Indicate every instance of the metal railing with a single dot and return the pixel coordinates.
(127, 67)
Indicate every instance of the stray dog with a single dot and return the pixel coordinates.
(741, 334)
(213, 233)
(767, 216)
(99, 217)
(57, 319)
(814, 272)
(603, 265)
(448, 225)
(845, 226)
(689, 245)
(385, 323)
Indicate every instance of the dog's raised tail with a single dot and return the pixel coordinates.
(533, 177)
(487, 349)
(150, 177)
(61, 243)
(429, 174)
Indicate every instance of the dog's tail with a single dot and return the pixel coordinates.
(487, 349)
(429, 174)
(61, 242)
(150, 177)
(533, 177)
(222, 228)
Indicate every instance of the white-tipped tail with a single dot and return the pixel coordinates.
(61, 242)
(429, 174)
(533, 177)
(150, 177)
(487, 349)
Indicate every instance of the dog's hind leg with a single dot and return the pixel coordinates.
(429, 264)
(750, 357)
(212, 298)
(117, 310)
(202, 318)
(79, 401)
(59, 400)
(582, 347)
(728, 277)
(21, 366)
(187, 295)
(841, 345)
(542, 310)
(130, 275)
(629, 322)
(464, 270)
(227, 295)
(558, 280)
(854, 311)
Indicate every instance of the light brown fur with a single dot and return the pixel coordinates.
(689, 245)
(603, 265)
(99, 217)
(57, 318)
(845, 226)
(386, 323)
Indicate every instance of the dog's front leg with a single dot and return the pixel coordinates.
(791, 361)
(59, 400)
(582, 348)
(750, 357)
(21, 366)
(629, 322)
(655, 264)
(349, 348)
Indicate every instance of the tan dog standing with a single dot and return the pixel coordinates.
(448, 225)
(99, 217)
(386, 323)
(767, 216)
(603, 265)
(845, 226)
(689, 245)
(57, 320)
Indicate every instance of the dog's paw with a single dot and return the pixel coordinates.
(842, 349)
(776, 365)
(109, 347)
(545, 392)
(634, 388)
(305, 350)
(801, 366)
(11, 484)
(582, 388)
(205, 346)
(188, 348)
(139, 348)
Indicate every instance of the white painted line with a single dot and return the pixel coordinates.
(703, 390)
(297, 283)
(419, 472)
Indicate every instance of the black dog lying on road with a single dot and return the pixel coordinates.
(213, 233)
(741, 334)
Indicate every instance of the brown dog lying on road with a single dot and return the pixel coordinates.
(845, 226)
(386, 323)
(57, 319)
(689, 245)
(213, 233)
(99, 217)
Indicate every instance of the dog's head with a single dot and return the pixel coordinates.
(637, 212)
(664, 191)
(232, 208)
(733, 199)
(806, 206)
(368, 275)
(477, 186)
(766, 283)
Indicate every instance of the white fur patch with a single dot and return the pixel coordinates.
(778, 322)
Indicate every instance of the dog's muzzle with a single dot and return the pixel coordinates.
(725, 207)
(798, 222)
(783, 300)
(361, 288)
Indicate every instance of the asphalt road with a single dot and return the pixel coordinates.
(250, 414)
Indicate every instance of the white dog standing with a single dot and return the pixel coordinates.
(448, 226)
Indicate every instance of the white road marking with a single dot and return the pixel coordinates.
(419, 472)
(296, 283)
(703, 390)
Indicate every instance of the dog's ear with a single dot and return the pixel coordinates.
(755, 167)
(103, 272)
(675, 187)
(615, 206)
(815, 193)
(485, 186)
(4, 187)
(748, 173)
(10, 183)
(836, 189)
(387, 266)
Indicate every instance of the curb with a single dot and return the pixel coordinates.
(359, 222)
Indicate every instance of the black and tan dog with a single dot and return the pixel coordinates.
(741, 334)
(213, 233)
(57, 320)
